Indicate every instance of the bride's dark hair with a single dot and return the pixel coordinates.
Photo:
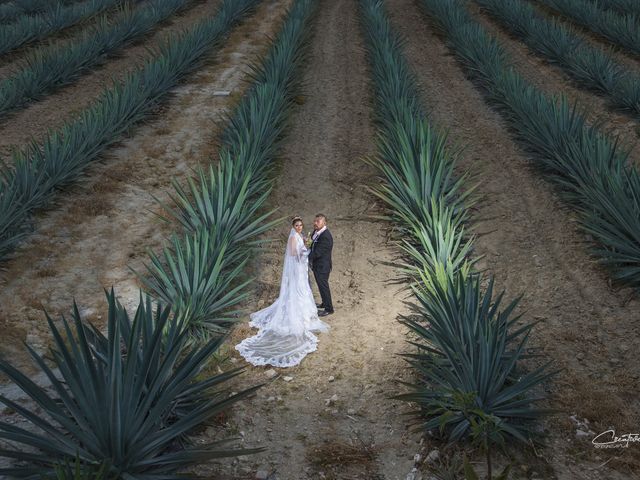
(295, 219)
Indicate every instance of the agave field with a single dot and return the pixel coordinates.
(476, 160)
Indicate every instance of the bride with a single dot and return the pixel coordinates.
(284, 337)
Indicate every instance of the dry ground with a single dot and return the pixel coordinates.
(529, 242)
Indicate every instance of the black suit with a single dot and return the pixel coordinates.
(320, 259)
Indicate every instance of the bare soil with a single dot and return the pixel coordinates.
(20, 127)
(104, 224)
(362, 434)
(529, 241)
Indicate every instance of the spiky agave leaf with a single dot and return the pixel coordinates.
(79, 470)
(198, 276)
(111, 406)
(223, 197)
(468, 351)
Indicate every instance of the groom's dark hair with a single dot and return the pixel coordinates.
(321, 215)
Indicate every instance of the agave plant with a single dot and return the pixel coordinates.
(588, 165)
(51, 67)
(199, 277)
(113, 399)
(467, 358)
(227, 198)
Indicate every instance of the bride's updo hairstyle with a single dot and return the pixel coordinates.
(296, 219)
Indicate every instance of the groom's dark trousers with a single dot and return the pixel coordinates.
(320, 258)
(322, 279)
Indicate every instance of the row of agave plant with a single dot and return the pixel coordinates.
(221, 211)
(31, 28)
(124, 405)
(468, 348)
(618, 28)
(10, 11)
(51, 67)
(621, 6)
(591, 170)
(592, 67)
(38, 170)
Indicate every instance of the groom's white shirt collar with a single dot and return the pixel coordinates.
(318, 232)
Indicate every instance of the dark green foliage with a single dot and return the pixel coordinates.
(12, 10)
(79, 470)
(620, 29)
(587, 165)
(200, 273)
(49, 68)
(28, 29)
(467, 349)
(115, 405)
(621, 6)
(592, 67)
(469, 363)
(39, 169)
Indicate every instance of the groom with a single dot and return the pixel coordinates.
(320, 259)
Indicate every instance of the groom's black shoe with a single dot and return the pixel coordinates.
(324, 313)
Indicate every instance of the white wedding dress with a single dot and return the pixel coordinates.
(285, 327)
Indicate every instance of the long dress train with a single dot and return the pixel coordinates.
(285, 327)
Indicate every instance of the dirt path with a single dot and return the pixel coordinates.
(531, 244)
(361, 434)
(51, 112)
(103, 224)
